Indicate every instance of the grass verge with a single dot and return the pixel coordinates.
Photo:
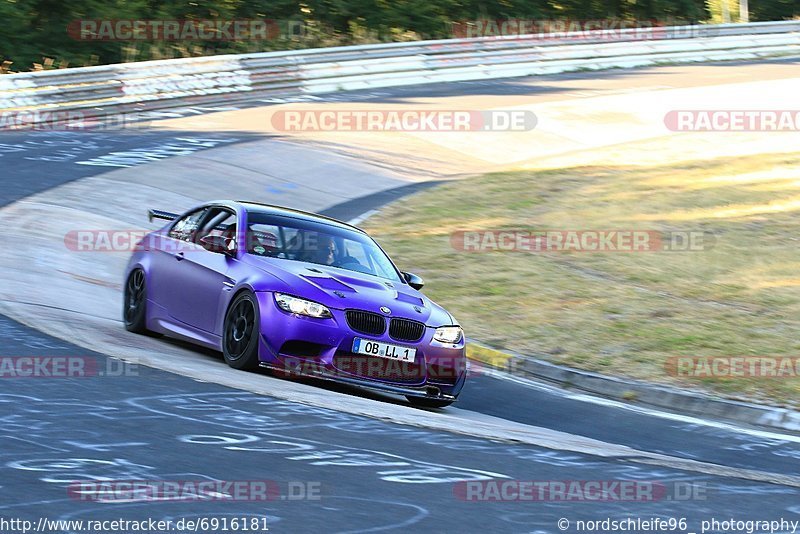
(622, 313)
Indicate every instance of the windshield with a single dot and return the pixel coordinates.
(294, 239)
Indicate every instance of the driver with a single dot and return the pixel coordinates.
(326, 250)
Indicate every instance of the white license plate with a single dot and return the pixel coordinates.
(384, 350)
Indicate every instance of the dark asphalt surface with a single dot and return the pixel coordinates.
(31, 162)
(364, 475)
(372, 475)
(516, 402)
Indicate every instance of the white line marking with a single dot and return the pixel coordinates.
(361, 218)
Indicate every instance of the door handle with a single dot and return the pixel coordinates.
(179, 256)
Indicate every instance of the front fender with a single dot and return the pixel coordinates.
(245, 278)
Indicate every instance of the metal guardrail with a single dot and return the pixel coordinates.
(151, 85)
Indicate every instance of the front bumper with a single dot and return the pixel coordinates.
(297, 345)
(428, 392)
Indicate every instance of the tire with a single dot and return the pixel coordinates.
(422, 402)
(240, 333)
(134, 306)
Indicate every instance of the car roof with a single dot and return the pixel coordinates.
(282, 211)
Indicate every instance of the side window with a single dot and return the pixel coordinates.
(185, 227)
(221, 222)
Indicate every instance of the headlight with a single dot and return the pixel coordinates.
(301, 306)
(448, 334)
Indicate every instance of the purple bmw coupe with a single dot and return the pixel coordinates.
(297, 293)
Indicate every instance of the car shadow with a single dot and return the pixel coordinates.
(328, 385)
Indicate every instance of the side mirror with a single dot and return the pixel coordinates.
(219, 244)
(413, 280)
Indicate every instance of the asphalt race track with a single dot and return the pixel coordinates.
(368, 475)
(337, 470)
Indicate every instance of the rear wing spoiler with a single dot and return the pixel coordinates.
(159, 214)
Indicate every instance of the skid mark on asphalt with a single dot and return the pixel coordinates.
(189, 363)
(647, 458)
(224, 435)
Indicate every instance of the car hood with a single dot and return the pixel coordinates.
(342, 289)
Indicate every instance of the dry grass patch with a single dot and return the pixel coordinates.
(621, 313)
